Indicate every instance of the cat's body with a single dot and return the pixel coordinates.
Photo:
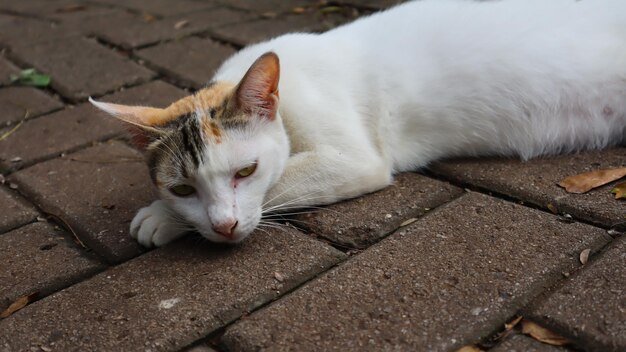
(423, 81)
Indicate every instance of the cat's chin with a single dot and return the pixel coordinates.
(237, 238)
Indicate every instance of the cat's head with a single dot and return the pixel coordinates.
(214, 155)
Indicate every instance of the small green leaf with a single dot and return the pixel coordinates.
(30, 77)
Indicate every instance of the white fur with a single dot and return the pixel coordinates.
(428, 80)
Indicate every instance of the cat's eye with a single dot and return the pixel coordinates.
(246, 171)
(183, 190)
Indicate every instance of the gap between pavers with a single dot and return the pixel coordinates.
(169, 297)
(451, 278)
(360, 222)
(15, 212)
(591, 306)
(535, 181)
(37, 258)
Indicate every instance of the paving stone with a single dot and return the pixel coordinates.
(133, 30)
(445, 281)
(591, 306)
(156, 93)
(535, 181)
(521, 343)
(45, 8)
(18, 31)
(97, 191)
(55, 134)
(15, 211)
(81, 67)
(72, 128)
(38, 258)
(6, 70)
(170, 297)
(365, 220)
(192, 61)
(243, 34)
(161, 7)
(17, 101)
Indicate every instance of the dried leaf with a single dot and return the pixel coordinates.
(469, 348)
(298, 10)
(147, 18)
(30, 77)
(542, 334)
(619, 190)
(408, 222)
(18, 304)
(552, 208)
(584, 256)
(181, 24)
(587, 181)
(513, 323)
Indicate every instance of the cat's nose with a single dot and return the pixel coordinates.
(226, 228)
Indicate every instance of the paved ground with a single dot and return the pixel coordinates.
(437, 261)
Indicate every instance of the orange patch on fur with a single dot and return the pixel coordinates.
(211, 129)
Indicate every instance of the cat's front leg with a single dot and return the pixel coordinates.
(326, 176)
(154, 225)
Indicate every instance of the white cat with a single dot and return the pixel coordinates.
(387, 93)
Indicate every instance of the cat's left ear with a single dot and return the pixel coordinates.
(258, 90)
(143, 122)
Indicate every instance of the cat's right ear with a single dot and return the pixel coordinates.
(141, 121)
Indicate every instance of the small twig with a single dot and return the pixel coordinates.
(8, 133)
(69, 228)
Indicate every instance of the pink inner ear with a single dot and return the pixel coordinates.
(258, 90)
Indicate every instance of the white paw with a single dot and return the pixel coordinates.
(153, 226)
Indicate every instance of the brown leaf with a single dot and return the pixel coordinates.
(298, 10)
(18, 304)
(542, 334)
(584, 256)
(147, 18)
(619, 190)
(469, 348)
(552, 208)
(71, 8)
(513, 323)
(587, 181)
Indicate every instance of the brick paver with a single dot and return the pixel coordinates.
(25, 102)
(161, 7)
(591, 306)
(445, 281)
(97, 191)
(38, 258)
(6, 69)
(535, 181)
(81, 67)
(191, 61)
(15, 210)
(170, 297)
(18, 30)
(362, 221)
(521, 343)
(256, 31)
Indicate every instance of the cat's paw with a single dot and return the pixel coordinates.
(153, 225)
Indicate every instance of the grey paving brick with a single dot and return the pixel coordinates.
(79, 126)
(365, 220)
(17, 30)
(38, 258)
(81, 67)
(55, 134)
(25, 102)
(591, 306)
(243, 34)
(161, 7)
(536, 181)
(15, 210)
(156, 94)
(170, 297)
(45, 8)
(276, 6)
(133, 30)
(191, 61)
(447, 280)
(521, 343)
(97, 191)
